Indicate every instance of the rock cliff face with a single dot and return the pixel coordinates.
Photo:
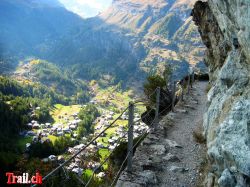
(225, 30)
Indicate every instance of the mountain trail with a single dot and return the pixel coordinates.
(170, 156)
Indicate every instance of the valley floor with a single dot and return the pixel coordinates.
(170, 156)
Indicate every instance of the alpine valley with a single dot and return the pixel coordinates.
(63, 78)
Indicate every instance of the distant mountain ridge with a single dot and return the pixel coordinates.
(123, 13)
(27, 27)
(164, 28)
(129, 40)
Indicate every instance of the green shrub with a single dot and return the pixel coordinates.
(209, 86)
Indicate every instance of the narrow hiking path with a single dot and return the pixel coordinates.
(170, 156)
(187, 119)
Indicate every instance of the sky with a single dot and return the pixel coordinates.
(86, 8)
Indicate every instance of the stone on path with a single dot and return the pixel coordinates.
(176, 169)
(172, 143)
(171, 158)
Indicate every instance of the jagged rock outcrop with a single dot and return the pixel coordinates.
(225, 30)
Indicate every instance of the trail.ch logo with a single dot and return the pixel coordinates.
(23, 179)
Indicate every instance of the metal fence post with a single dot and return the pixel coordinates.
(156, 120)
(191, 81)
(170, 80)
(193, 78)
(167, 81)
(173, 96)
(188, 86)
(182, 89)
(130, 136)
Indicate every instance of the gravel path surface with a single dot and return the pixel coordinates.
(170, 156)
(191, 153)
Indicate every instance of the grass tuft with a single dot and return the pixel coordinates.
(198, 137)
(209, 86)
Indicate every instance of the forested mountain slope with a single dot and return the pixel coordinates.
(130, 38)
(30, 27)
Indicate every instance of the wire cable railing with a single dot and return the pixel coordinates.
(152, 125)
(135, 145)
(124, 161)
(105, 160)
(180, 89)
(87, 145)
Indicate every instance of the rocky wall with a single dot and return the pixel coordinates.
(224, 26)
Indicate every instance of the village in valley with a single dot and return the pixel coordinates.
(66, 122)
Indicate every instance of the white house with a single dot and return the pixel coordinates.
(72, 127)
(30, 133)
(101, 175)
(36, 126)
(48, 125)
(52, 157)
(59, 133)
(66, 130)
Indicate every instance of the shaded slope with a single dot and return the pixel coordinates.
(129, 40)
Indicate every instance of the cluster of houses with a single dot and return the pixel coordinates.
(57, 129)
(102, 122)
(105, 117)
(140, 128)
(78, 164)
(120, 131)
(40, 132)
